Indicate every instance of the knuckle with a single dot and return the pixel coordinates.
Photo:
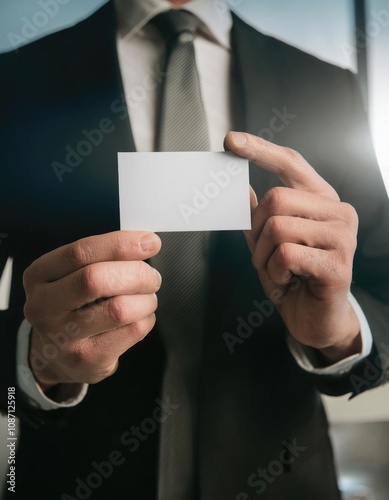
(274, 228)
(116, 310)
(273, 197)
(334, 269)
(79, 253)
(293, 156)
(89, 280)
(84, 358)
(346, 242)
(350, 213)
(284, 254)
(139, 330)
(29, 277)
(29, 311)
(34, 312)
(81, 356)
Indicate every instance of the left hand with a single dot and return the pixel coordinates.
(303, 240)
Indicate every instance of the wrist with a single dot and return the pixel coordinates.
(348, 345)
(39, 366)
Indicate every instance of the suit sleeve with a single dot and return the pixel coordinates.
(22, 249)
(349, 149)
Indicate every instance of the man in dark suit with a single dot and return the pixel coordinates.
(260, 426)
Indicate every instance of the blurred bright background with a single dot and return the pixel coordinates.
(328, 29)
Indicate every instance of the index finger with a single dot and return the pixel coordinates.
(115, 246)
(293, 170)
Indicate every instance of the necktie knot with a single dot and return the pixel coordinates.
(174, 24)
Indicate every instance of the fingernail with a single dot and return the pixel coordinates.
(158, 278)
(238, 138)
(148, 243)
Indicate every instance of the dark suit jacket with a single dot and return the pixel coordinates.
(254, 404)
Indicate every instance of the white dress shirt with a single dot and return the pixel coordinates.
(141, 54)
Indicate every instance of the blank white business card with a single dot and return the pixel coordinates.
(183, 191)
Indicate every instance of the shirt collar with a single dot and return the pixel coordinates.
(215, 16)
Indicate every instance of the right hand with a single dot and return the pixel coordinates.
(88, 302)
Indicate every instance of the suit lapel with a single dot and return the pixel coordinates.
(258, 83)
(261, 90)
(94, 67)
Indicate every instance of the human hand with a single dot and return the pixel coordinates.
(303, 240)
(98, 297)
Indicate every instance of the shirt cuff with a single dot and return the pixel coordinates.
(68, 394)
(306, 357)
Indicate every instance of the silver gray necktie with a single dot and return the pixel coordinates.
(182, 262)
